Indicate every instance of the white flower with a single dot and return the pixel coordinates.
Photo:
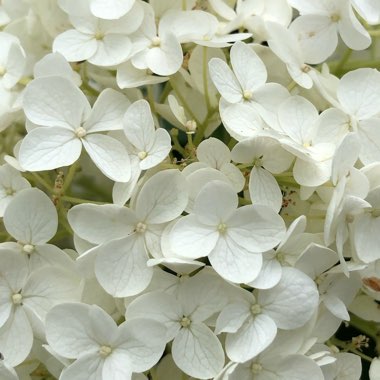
(66, 122)
(247, 83)
(12, 60)
(31, 218)
(212, 153)
(151, 145)
(232, 238)
(100, 42)
(251, 323)
(26, 297)
(11, 183)
(111, 9)
(195, 348)
(102, 349)
(126, 236)
(266, 156)
(319, 24)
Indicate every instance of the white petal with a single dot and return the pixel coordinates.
(31, 217)
(254, 337)
(232, 317)
(257, 228)
(67, 330)
(13, 270)
(159, 150)
(311, 174)
(353, 33)
(90, 364)
(107, 113)
(143, 340)
(366, 238)
(121, 268)
(241, 121)
(191, 239)
(167, 58)
(162, 307)
(110, 10)
(6, 305)
(225, 80)
(336, 306)
(122, 191)
(345, 157)
(213, 152)
(55, 102)
(269, 275)
(359, 93)
(101, 223)
(112, 50)
(234, 175)
(139, 125)
(75, 46)
(49, 148)
(16, 338)
(369, 137)
(317, 35)
(297, 117)
(233, 262)
(215, 203)
(109, 155)
(198, 352)
(292, 302)
(297, 367)
(264, 189)
(47, 287)
(248, 67)
(163, 197)
(117, 366)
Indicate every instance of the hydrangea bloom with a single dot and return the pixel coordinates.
(178, 204)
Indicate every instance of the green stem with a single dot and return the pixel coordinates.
(190, 145)
(202, 127)
(41, 181)
(343, 61)
(370, 329)
(205, 79)
(185, 105)
(75, 200)
(70, 176)
(165, 92)
(349, 66)
(151, 99)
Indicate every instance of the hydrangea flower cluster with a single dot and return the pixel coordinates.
(189, 189)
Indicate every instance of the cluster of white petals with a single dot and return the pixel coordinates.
(189, 189)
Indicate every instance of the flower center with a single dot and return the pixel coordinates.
(9, 191)
(256, 368)
(99, 36)
(104, 351)
(247, 94)
(191, 126)
(17, 299)
(80, 132)
(156, 42)
(141, 155)
(281, 258)
(140, 227)
(334, 17)
(305, 68)
(256, 309)
(222, 228)
(185, 322)
(28, 248)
